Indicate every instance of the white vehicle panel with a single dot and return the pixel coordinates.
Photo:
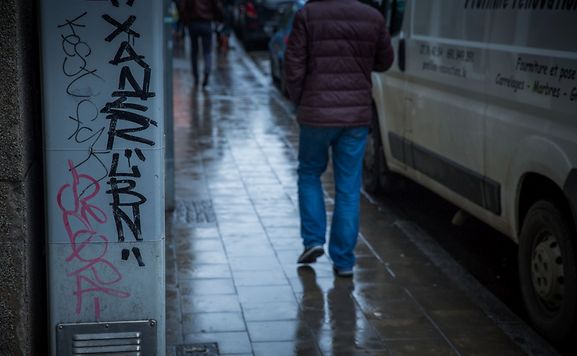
(531, 122)
(446, 87)
(488, 94)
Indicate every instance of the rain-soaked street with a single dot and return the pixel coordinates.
(233, 241)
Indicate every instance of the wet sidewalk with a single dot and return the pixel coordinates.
(233, 242)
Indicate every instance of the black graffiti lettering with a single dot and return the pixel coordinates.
(77, 46)
(74, 64)
(128, 2)
(136, 252)
(135, 172)
(116, 114)
(72, 24)
(96, 135)
(68, 42)
(119, 115)
(137, 255)
(83, 110)
(120, 28)
(76, 49)
(84, 84)
(78, 68)
(139, 154)
(142, 93)
(120, 216)
(119, 104)
(131, 56)
(94, 154)
(127, 121)
(78, 93)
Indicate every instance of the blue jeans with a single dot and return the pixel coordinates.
(347, 146)
(203, 30)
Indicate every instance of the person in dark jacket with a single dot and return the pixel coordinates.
(332, 50)
(198, 16)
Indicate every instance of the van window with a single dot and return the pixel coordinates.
(442, 19)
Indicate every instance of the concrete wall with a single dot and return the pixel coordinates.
(22, 261)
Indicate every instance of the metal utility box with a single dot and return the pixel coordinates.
(103, 114)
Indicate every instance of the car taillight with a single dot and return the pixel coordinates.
(250, 10)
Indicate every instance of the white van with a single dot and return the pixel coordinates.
(481, 108)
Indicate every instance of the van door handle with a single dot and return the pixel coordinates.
(401, 55)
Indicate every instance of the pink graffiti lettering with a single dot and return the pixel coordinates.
(94, 274)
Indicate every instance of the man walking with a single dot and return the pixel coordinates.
(198, 15)
(332, 50)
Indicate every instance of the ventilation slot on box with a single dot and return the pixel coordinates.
(83, 344)
(134, 338)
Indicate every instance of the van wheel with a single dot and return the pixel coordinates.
(547, 270)
(376, 176)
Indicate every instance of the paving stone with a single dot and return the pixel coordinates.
(264, 331)
(210, 303)
(212, 322)
(286, 348)
(273, 311)
(196, 287)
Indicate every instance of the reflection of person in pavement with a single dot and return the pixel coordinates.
(342, 316)
(341, 306)
(312, 308)
(203, 116)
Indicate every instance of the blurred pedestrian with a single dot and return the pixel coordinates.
(198, 16)
(178, 26)
(332, 49)
(224, 29)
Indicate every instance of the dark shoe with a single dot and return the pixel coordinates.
(205, 81)
(311, 254)
(343, 272)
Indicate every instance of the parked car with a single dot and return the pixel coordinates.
(480, 108)
(255, 20)
(278, 41)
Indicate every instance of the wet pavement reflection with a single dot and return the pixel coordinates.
(233, 241)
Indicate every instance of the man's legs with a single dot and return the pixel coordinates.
(348, 150)
(207, 50)
(313, 159)
(194, 33)
(203, 30)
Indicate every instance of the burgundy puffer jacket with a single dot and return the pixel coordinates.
(332, 50)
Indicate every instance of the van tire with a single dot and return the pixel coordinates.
(547, 270)
(376, 176)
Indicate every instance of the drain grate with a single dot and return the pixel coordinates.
(210, 349)
(194, 212)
